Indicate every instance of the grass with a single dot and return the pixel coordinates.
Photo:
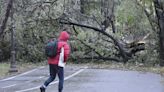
(22, 67)
(4, 67)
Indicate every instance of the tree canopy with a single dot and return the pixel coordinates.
(101, 30)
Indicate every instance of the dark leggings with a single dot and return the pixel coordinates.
(55, 69)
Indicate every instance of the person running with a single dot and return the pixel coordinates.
(54, 68)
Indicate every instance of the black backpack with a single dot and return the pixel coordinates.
(51, 48)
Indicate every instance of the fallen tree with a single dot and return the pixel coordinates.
(126, 50)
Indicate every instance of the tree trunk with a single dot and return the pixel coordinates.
(108, 13)
(82, 6)
(159, 8)
(13, 67)
(4, 22)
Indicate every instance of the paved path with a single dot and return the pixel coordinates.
(82, 79)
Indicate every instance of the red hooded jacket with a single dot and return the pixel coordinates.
(62, 42)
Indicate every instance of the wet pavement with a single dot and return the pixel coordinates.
(82, 79)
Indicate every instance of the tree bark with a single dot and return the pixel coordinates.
(4, 22)
(108, 12)
(82, 6)
(159, 9)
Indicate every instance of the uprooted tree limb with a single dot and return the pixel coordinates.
(126, 51)
(94, 50)
(122, 52)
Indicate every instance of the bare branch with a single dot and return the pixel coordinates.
(88, 45)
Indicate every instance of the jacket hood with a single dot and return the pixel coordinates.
(64, 36)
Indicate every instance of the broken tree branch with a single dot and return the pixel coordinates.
(122, 52)
(87, 44)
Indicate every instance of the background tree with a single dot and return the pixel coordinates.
(159, 9)
(154, 9)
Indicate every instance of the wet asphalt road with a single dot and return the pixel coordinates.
(81, 79)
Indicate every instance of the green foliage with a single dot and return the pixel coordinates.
(35, 24)
(4, 50)
(31, 42)
(34, 28)
(4, 67)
